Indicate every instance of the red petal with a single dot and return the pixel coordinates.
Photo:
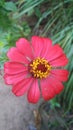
(47, 45)
(14, 67)
(41, 46)
(21, 87)
(34, 92)
(24, 47)
(55, 52)
(13, 79)
(14, 55)
(61, 75)
(50, 87)
(60, 61)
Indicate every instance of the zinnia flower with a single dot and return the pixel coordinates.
(36, 68)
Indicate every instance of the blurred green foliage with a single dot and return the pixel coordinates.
(24, 18)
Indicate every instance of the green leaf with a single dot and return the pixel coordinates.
(10, 6)
(2, 2)
(38, 12)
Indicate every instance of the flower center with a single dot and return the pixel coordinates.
(40, 68)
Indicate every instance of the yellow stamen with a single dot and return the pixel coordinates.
(40, 68)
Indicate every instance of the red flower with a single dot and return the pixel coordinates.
(35, 68)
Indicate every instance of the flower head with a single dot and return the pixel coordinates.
(36, 67)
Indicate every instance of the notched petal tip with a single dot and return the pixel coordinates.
(9, 51)
(24, 47)
(5, 80)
